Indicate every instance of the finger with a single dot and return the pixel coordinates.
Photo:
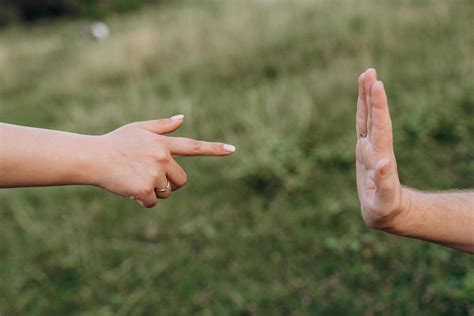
(162, 188)
(361, 116)
(360, 171)
(369, 79)
(180, 146)
(163, 126)
(360, 150)
(176, 175)
(381, 136)
(147, 199)
(384, 180)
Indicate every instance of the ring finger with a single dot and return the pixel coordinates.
(176, 175)
(163, 188)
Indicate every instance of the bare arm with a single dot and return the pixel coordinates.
(446, 218)
(40, 157)
(136, 160)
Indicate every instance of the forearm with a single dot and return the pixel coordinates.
(446, 218)
(40, 157)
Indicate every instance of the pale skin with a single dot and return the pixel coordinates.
(135, 160)
(446, 218)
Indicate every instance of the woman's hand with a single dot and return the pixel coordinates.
(136, 160)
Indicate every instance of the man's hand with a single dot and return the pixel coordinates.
(378, 186)
(446, 218)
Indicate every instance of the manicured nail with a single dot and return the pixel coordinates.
(177, 117)
(229, 148)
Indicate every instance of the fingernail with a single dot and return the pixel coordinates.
(229, 148)
(177, 117)
(141, 203)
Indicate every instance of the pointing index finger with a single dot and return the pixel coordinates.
(181, 146)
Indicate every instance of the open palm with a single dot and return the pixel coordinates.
(378, 185)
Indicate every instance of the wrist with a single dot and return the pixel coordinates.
(403, 217)
(89, 160)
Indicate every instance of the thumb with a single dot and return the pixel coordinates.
(384, 179)
(163, 126)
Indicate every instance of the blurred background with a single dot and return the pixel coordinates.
(276, 228)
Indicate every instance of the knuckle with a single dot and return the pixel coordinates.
(155, 174)
(380, 127)
(159, 141)
(196, 146)
(216, 147)
(144, 191)
(150, 204)
(182, 181)
(140, 125)
(162, 155)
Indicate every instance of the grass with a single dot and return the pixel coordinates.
(275, 229)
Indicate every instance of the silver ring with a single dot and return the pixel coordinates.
(165, 189)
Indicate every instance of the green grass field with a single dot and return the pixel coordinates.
(276, 228)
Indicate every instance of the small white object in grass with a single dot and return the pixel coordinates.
(100, 31)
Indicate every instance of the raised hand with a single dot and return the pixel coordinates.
(378, 186)
(136, 160)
